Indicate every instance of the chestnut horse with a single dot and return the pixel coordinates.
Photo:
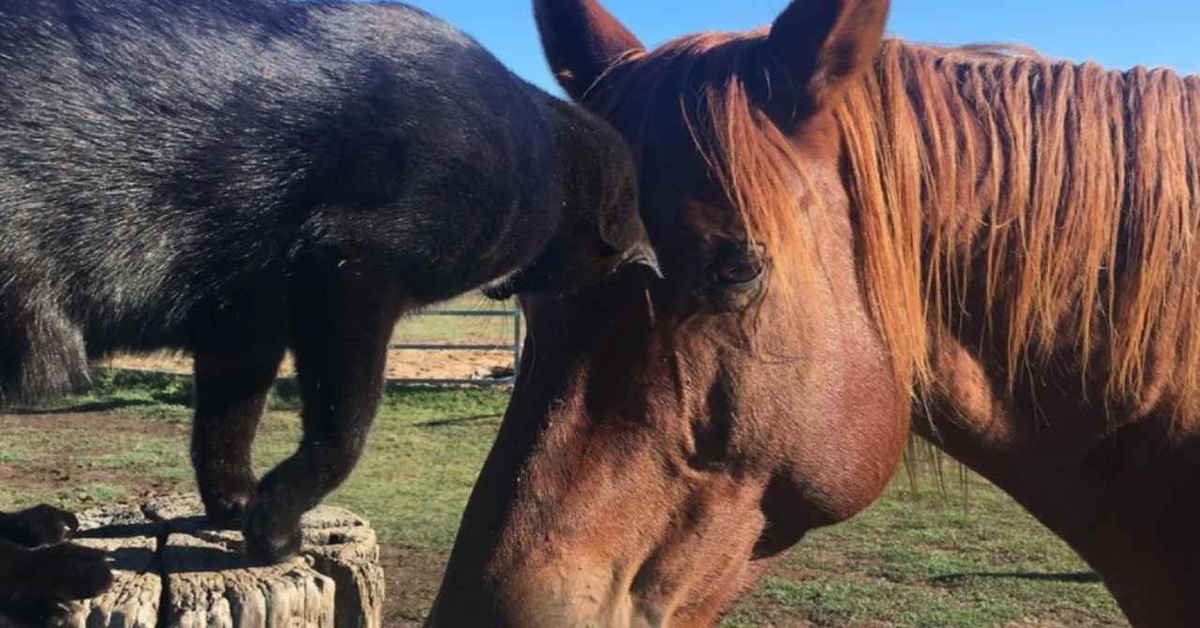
(861, 238)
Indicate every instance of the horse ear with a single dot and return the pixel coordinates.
(815, 48)
(581, 41)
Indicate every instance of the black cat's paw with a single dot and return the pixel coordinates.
(271, 539)
(226, 501)
(39, 526)
(227, 511)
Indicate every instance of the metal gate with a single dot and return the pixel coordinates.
(514, 348)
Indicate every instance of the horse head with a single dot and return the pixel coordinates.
(669, 434)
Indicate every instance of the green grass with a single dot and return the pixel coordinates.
(912, 560)
(15, 452)
(420, 464)
(419, 329)
(421, 461)
(926, 560)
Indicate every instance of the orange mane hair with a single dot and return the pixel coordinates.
(1067, 195)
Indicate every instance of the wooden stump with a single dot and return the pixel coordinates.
(174, 572)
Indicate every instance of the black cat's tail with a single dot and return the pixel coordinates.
(42, 356)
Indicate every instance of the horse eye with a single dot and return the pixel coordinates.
(739, 269)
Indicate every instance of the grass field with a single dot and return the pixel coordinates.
(455, 330)
(919, 560)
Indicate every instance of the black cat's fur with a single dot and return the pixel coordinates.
(237, 178)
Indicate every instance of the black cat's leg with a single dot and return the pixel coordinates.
(38, 526)
(341, 331)
(231, 392)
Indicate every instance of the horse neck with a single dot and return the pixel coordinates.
(1019, 250)
(1033, 226)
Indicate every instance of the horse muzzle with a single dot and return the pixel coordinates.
(584, 598)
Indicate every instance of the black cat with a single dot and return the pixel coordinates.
(236, 178)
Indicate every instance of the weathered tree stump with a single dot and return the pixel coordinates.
(172, 571)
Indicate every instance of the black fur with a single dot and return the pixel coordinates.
(235, 178)
(38, 526)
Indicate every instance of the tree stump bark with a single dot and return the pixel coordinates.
(174, 572)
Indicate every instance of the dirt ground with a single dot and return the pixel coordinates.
(401, 364)
(68, 467)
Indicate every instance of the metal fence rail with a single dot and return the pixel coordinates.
(515, 348)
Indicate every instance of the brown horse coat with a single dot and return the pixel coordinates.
(860, 237)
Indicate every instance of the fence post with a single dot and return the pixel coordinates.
(516, 341)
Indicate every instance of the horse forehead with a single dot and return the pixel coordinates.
(681, 193)
(712, 220)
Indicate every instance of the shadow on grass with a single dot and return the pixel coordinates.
(1083, 577)
(127, 388)
(458, 421)
(82, 408)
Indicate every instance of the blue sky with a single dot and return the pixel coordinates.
(1115, 33)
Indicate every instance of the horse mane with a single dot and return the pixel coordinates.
(1072, 193)
(1067, 196)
